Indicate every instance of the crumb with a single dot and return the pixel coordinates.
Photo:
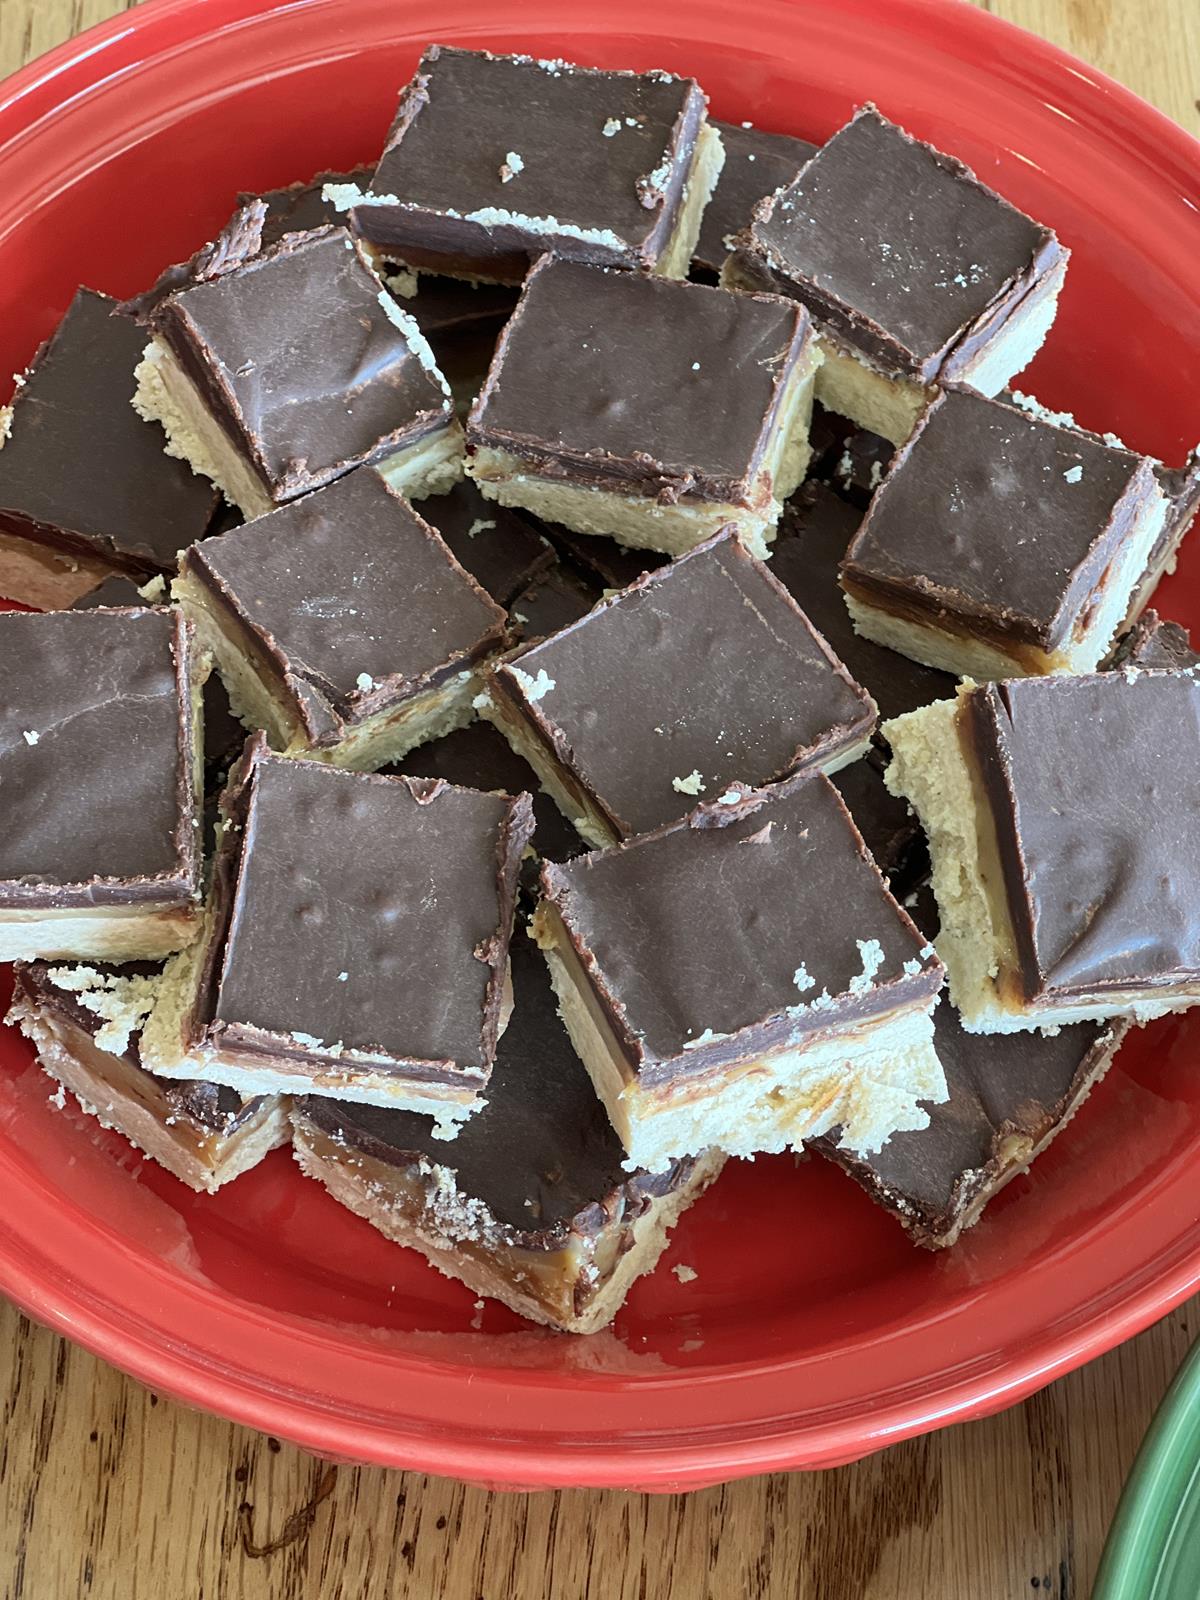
(59, 1098)
(365, 681)
(479, 526)
(343, 977)
(685, 1274)
(803, 979)
(707, 1037)
(535, 688)
(1073, 474)
(695, 366)
(512, 164)
(613, 125)
(692, 784)
(29, 736)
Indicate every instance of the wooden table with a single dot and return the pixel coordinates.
(110, 1493)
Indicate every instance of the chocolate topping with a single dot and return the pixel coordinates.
(701, 673)
(899, 248)
(541, 1154)
(122, 498)
(211, 1106)
(756, 164)
(349, 602)
(96, 786)
(707, 943)
(600, 163)
(480, 757)
(1151, 642)
(1091, 783)
(814, 532)
(307, 363)
(551, 603)
(499, 547)
(1007, 1095)
(640, 385)
(361, 913)
(445, 306)
(996, 522)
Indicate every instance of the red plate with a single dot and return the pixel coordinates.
(814, 1333)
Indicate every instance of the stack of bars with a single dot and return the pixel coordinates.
(458, 753)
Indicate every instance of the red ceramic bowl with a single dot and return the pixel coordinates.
(814, 1333)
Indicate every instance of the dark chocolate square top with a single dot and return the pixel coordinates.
(353, 601)
(1094, 786)
(702, 939)
(598, 153)
(499, 547)
(309, 364)
(80, 462)
(899, 247)
(480, 757)
(991, 515)
(368, 913)
(540, 1151)
(639, 383)
(96, 787)
(756, 164)
(814, 533)
(699, 674)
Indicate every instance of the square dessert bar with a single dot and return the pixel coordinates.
(341, 624)
(744, 981)
(356, 940)
(1010, 1096)
(756, 164)
(84, 1024)
(302, 206)
(650, 410)
(1000, 544)
(289, 368)
(1061, 818)
(915, 271)
(501, 548)
(702, 673)
(85, 489)
(100, 764)
(493, 160)
(529, 1204)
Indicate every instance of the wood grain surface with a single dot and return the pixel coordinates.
(109, 1493)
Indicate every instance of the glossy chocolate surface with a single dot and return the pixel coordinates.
(898, 247)
(1091, 782)
(361, 913)
(638, 385)
(96, 786)
(80, 470)
(601, 160)
(347, 601)
(305, 361)
(699, 674)
(995, 522)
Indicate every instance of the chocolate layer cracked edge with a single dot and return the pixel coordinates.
(84, 1025)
